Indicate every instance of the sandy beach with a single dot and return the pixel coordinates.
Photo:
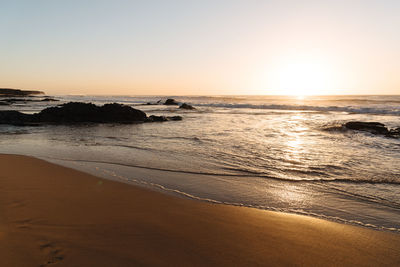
(52, 215)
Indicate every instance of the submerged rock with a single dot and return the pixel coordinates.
(372, 127)
(175, 118)
(186, 106)
(395, 132)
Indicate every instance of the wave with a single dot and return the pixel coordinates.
(386, 106)
(365, 197)
(129, 146)
(348, 109)
(249, 175)
(187, 138)
(375, 101)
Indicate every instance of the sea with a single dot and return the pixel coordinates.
(281, 153)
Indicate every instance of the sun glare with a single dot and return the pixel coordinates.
(303, 78)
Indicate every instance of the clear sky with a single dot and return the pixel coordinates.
(201, 47)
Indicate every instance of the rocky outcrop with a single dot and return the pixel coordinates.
(372, 127)
(74, 112)
(171, 102)
(186, 106)
(78, 112)
(18, 92)
(16, 118)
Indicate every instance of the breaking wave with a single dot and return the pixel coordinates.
(389, 110)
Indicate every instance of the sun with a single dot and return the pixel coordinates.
(302, 78)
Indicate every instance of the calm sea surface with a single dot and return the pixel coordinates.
(269, 152)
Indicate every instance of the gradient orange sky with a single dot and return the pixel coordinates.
(201, 47)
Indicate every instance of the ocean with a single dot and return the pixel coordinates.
(280, 153)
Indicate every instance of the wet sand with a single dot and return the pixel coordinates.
(52, 215)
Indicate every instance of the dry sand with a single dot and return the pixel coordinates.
(51, 215)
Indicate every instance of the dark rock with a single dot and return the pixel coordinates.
(73, 112)
(186, 106)
(117, 113)
(175, 118)
(15, 118)
(171, 101)
(372, 127)
(76, 112)
(154, 118)
(395, 132)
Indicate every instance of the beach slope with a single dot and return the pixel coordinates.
(52, 215)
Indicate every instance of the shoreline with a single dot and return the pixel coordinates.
(157, 187)
(53, 214)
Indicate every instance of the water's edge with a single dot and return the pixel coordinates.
(105, 174)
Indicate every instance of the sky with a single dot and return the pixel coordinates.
(203, 47)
